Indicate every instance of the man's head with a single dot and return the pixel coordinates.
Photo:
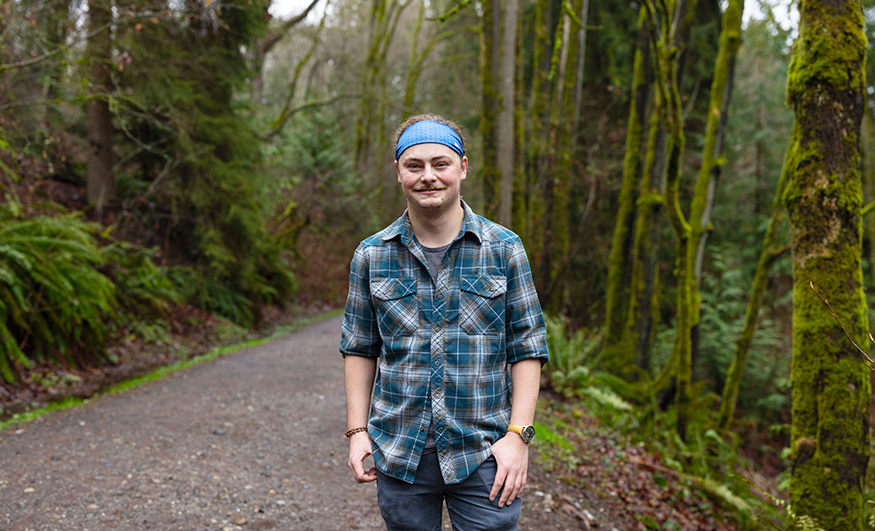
(428, 117)
(430, 163)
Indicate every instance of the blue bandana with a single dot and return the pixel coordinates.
(429, 132)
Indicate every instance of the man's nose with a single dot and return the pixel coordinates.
(428, 173)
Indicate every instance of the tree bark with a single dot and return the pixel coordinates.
(490, 38)
(506, 131)
(830, 429)
(538, 141)
(705, 191)
(619, 259)
(101, 179)
(558, 183)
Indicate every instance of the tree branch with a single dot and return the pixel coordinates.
(869, 361)
(273, 38)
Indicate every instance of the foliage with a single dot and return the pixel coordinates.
(147, 290)
(195, 156)
(54, 302)
(706, 460)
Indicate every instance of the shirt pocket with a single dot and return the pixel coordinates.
(397, 306)
(481, 304)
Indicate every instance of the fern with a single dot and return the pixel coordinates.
(54, 303)
(720, 491)
(608, 398)
(145, 287)
(568, 354)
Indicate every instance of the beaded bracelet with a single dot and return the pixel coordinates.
(350, 433)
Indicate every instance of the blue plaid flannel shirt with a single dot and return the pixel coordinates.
(444, 344)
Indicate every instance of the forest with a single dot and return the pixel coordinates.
(691, 180)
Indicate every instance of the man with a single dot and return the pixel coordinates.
(443, 302)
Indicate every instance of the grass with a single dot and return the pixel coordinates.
(217, 352)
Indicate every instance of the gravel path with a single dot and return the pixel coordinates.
(250, 441)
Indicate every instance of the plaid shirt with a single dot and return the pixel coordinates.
(444, 344)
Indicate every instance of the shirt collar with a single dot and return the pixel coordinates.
(402, 227)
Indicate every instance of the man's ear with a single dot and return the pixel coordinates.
(464, 168)
(397, 173)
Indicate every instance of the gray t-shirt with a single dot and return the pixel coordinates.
(433, 257)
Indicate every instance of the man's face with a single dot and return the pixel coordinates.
(431, 176)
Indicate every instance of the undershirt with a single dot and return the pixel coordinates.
(433, 258)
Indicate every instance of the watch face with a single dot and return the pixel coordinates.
(528, 433)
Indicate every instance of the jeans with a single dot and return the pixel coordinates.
(418, 507)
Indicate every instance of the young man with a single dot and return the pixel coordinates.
(443, 302)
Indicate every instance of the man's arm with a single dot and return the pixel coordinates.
(511, 452)
(358, 373)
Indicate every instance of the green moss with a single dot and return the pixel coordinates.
(618, 260)
(830, 382)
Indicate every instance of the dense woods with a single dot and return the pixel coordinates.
(683, 173)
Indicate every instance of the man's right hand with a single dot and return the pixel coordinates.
(359, 450)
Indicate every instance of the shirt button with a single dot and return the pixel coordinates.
(440, 428)
(440, 296)
(436, 328)
(436, 363)
(421, 429)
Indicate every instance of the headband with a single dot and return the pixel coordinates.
(429, 132)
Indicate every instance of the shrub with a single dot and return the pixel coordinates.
(54, 302)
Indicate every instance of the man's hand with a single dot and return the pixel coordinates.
(512, 457)
(359, 450)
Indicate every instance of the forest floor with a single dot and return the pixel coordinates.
(253, 440)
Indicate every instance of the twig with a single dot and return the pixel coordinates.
(869, 360)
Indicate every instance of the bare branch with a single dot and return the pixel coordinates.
(305, 106)
(271, 40)
(869, 360)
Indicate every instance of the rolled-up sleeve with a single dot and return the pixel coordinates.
(525, 332)
(360, 335)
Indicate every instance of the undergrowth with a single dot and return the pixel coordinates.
(706, 461)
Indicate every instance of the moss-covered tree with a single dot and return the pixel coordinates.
(619, 265)
(830, 430)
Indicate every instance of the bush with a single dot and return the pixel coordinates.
(54, 303)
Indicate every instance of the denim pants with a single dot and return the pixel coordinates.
(418, 507)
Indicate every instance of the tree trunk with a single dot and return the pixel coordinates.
(705, 191)
(619, 258)
(101, 179)
(490, 38)
(830, 430)
(581, 61)
(558, 183)
(538, 143)
(666, 62)
(506, 112)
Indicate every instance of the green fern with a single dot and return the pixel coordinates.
(54, 303)
(720, 491)
(144, 287)
(608, 398)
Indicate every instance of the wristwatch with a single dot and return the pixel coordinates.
(526, 432)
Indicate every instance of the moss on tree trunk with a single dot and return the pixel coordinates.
(619, 264)
(830, 432)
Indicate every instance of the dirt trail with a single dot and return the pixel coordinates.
(251, 441)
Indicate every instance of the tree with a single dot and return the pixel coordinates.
(830, 430)
(101, 177)
(618, 261)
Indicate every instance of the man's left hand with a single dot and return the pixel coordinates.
(512, 457)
